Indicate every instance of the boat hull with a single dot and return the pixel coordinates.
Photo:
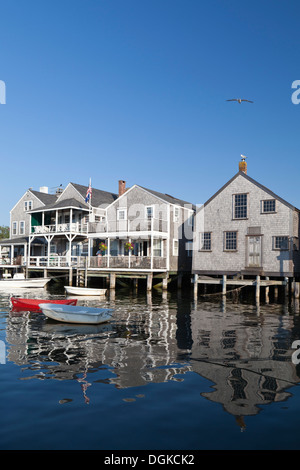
(33, 304)
(75, 314)
(70, 290)
(35, 282)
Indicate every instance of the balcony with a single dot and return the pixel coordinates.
(132, 226)
(60, 228)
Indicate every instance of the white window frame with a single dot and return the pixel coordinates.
(22, 230)
(175, 247)
(176, 214)
(27, 205)
(158, 246)
(152, 212)
(14, 231)
(121, 210)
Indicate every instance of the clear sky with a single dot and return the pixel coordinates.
(137, 90)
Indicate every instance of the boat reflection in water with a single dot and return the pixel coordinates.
(245, 354)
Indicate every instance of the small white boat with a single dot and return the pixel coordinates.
(73, 290)
(76, 314)
(20, 281)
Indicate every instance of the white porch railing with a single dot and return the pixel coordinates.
(135, 225)
(75, 227)
(103, 262)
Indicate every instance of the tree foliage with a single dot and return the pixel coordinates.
(4, 231)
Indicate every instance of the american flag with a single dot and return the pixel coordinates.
(89, 193)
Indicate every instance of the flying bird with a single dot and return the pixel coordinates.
(239, 100)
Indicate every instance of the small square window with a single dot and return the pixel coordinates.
(281, 243)
(268, 206)
(121, 214)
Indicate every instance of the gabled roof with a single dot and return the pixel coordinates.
(168, 197)
(65, 203)
(45, 198)
(251, 180)
(99, 197)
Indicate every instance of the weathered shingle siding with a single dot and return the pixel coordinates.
(135, 201)
(69, 193)
(19, 214)
(218, 218)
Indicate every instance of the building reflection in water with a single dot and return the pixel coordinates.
(243, 351)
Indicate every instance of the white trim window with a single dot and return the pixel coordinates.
(157, 247)
(27, 205)
(175, 247)
(122, 213)
(14, 228)
(149, 212)
(176, 214)
(22, 227)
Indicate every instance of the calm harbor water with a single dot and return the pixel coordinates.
(166, 373)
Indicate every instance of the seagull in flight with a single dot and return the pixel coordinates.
(239, 100)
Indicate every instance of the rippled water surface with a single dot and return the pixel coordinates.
(166, 373)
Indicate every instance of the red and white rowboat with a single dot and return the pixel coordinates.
(33, 304)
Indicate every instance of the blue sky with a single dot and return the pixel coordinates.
(137, 90)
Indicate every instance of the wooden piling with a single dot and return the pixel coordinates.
(257, 290)
(196, 285)
(149, 282)
(224, 284)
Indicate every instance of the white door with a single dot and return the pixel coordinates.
(254, 251)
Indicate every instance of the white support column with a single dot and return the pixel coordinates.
(151, 243)
(224, 284)
(108, 251)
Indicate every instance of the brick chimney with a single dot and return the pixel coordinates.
(122, 187)
(243, 164)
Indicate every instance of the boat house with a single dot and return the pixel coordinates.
(246, 235)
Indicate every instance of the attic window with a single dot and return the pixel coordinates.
(269, 205)
(27, 205)
(240, 206)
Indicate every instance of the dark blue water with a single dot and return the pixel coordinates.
(166, 373)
